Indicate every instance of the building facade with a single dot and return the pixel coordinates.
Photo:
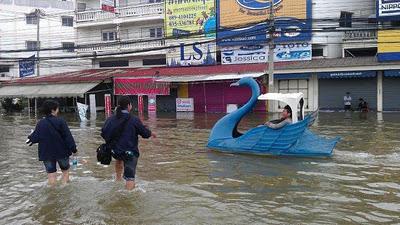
(26, 26)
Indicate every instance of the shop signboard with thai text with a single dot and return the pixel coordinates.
(184, 105)
(140, 86)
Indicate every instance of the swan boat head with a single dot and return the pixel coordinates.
(226, 127)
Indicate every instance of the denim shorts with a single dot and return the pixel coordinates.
(51, 166)
(130, 163)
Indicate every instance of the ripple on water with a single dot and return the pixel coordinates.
(389, 206)
(333, 176)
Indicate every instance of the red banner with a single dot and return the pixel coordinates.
(140, 103)
(139, 86)
(107, 104)
(108, 5)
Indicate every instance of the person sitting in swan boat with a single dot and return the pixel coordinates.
(286, 118)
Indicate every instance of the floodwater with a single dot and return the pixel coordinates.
(180, 181)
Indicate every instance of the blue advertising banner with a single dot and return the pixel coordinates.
(347, 74)
(242, 22)
(27, 66)
(388, 9)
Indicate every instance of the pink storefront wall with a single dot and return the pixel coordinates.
(214, 97)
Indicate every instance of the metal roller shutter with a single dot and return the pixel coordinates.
(331, 92)
(391, 92)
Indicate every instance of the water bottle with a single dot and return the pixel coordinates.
(129, 154)
(74, 162)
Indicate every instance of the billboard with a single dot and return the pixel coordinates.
(388, 9)
(192, 54)
(388, 45)
(259, 53)
(243, 22)
(190, 17)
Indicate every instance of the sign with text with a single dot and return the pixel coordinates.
(139, 86)
(190, 18)
(184, 105)
(193, 54)
(388, 9)
(243, 22)
(108, 5)
(347, 74)
(27, 66)
(259, 53)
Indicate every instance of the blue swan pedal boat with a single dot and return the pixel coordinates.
(291, 140)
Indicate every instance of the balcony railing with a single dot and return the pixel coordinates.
(127, 46)
(123, 12)
(351, 35)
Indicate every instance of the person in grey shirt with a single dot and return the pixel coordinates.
(286, 118)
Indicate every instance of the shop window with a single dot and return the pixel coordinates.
(31, 45)
(317, 52)
(294, 86)
(67, 21)
(156, 32)
(31, 18)
(360, 52)
(345, 19)
(109, 35)
(4, 69)
(68, 46)
(151, 62)
(115, 63)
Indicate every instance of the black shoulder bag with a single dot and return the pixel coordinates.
(104, 150)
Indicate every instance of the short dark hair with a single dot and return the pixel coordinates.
(123, 103)
(48, 106)
(288, 109)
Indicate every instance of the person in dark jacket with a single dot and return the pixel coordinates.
(56, 143)
(125, 150)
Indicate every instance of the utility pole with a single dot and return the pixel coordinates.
(38, 13)
(271, 47)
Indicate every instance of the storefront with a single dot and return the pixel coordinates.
(145, 93)
(391, 90)
(294, 83)
(334, 85)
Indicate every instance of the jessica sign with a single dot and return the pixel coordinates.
(259, 53)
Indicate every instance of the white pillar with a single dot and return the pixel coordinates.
(379, 92)
(314, 93)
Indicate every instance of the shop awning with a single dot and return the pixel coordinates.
(46, 90)
(292, 76)
(392, 73)
(207, 77)
(344, 75)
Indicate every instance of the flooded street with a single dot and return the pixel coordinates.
(180, 181)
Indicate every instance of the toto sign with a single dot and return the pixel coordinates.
(257, 4)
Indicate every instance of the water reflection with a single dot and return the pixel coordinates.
(182, 182)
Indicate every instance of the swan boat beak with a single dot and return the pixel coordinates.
(234, 84)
